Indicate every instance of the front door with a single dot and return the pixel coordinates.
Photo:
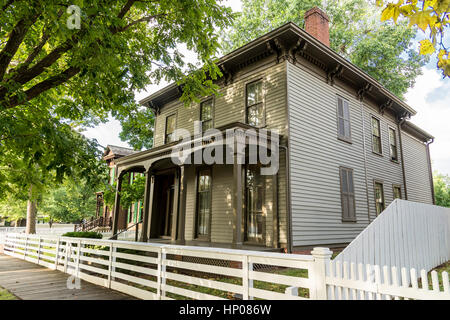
(168, 216)
(164, 205)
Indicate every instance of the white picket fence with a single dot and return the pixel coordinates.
(153, 271)
(406, 234)
(348, 281)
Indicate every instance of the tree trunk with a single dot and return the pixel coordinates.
(31, 213)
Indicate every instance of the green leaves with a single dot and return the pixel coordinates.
(441, 189)
(356, 33)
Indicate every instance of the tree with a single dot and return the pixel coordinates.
(138, 128)
(432, 17)
(56, 76)
(382, 50)
(118, 47)
(71, 201)
(41, 155)
(441, 189)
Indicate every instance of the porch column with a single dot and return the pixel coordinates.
(148, 204)
(116, 211)
(237, 199)
(182, 205)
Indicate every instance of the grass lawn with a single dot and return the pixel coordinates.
(5, 295)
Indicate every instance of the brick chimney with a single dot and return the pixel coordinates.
(316, 24)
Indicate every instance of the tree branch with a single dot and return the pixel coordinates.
(125, 8)
(15, 39)
(43, 86)
(144, 19)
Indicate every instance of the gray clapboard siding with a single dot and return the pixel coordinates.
(316, 155)
(230, 107)
(416, 169)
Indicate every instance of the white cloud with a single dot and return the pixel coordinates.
(430, 97)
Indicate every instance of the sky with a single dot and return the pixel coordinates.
(430, 97)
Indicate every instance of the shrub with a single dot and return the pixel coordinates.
(83, 234)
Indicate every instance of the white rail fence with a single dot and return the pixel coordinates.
(54, 230)
(152, 271)
(406, 234)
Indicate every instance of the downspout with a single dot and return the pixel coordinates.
(430, 170)
(399, 126)
(365, 158)
(288, 202)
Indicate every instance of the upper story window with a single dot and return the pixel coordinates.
(347, 194)
(397, 191)
(393, 144)
(379, 197)
(206, 114)
(170, 128)
(343, 114)
(376, 136)
(255, 104)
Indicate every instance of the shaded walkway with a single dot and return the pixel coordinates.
(29, 281)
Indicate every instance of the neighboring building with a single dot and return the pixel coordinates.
(110, 155)
(346, 150)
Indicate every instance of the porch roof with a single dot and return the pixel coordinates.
(165, 150)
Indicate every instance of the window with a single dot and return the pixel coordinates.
(343, 114)
(376, 136)
(379, 197)
(255, 105)
(170, 128)
(397, 191)
(393, 144)
(254, 187)
(347, 195)
(203, 202)
(206, 114)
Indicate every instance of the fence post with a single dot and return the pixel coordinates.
(245, 277)
(39, 249)
(110, 264)
(162, 274)
(25, 248)
(66, 256)
(322, 258)
(78, 259)
(57, 254)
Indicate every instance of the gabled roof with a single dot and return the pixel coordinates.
(282, 41)
(117, 152)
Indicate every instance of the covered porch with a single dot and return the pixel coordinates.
(227, 205)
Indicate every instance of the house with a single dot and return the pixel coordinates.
(110, 155)
(345, 147)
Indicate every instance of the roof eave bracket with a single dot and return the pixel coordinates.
(332, 74)
(363, 91)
